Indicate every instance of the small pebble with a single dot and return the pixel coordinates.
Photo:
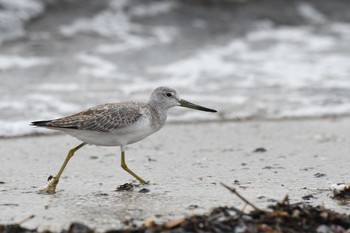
(318, 175)
(260, 150)
(192, 207)
(144, 190)
(79, 228)
(308, 197)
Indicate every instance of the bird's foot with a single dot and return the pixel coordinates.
(50, 187)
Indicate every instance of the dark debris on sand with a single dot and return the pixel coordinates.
(125, 187)
(281, 217)
(14, 228)
(278, 218)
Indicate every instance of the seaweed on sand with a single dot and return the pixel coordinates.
(281, 217)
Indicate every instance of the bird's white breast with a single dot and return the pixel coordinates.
(129, 134)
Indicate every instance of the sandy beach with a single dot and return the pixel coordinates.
(258, 63)
(184, 163)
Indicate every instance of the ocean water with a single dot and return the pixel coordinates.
(246, 60)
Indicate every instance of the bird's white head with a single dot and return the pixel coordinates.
(166, 97)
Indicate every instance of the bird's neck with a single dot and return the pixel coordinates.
(159, 114)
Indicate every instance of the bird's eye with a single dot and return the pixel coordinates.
(168, 94)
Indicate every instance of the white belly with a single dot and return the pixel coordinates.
(127, 135)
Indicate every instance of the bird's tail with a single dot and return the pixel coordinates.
(40, 123)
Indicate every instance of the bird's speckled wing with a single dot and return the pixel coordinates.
(102, 118)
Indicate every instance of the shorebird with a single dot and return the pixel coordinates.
(116, 124)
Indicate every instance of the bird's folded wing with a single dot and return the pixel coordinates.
(102, 118)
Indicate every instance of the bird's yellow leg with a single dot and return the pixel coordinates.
(53, 181)
(125, 167)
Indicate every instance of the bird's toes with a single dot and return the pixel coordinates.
(50, 187)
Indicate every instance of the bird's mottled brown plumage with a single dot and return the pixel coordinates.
(101, 118)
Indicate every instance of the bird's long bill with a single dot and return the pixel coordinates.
(184, 103)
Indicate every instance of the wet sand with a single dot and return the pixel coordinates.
(184, 164)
